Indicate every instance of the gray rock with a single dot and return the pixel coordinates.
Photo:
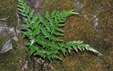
(79, 5)
(7, 46)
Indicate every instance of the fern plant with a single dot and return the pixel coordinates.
(44, 32)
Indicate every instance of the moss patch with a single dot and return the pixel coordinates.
(14, 59)
(80, 27)
(9, 9)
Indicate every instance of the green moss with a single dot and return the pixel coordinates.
(82, 29)
(2, 41)
(8, 8)
(14, 59)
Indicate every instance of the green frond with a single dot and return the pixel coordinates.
(79, 45)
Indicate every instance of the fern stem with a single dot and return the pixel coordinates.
(43, 64)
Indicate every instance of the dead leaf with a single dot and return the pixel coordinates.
(25, 66)
(15, 38)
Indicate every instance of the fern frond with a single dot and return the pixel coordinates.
(79, 45)
(44, 31)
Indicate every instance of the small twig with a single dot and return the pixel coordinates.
(18, 20)
(31, 4)
(4, 18)
(17, 24)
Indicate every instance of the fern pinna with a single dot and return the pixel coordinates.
(44, 32)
